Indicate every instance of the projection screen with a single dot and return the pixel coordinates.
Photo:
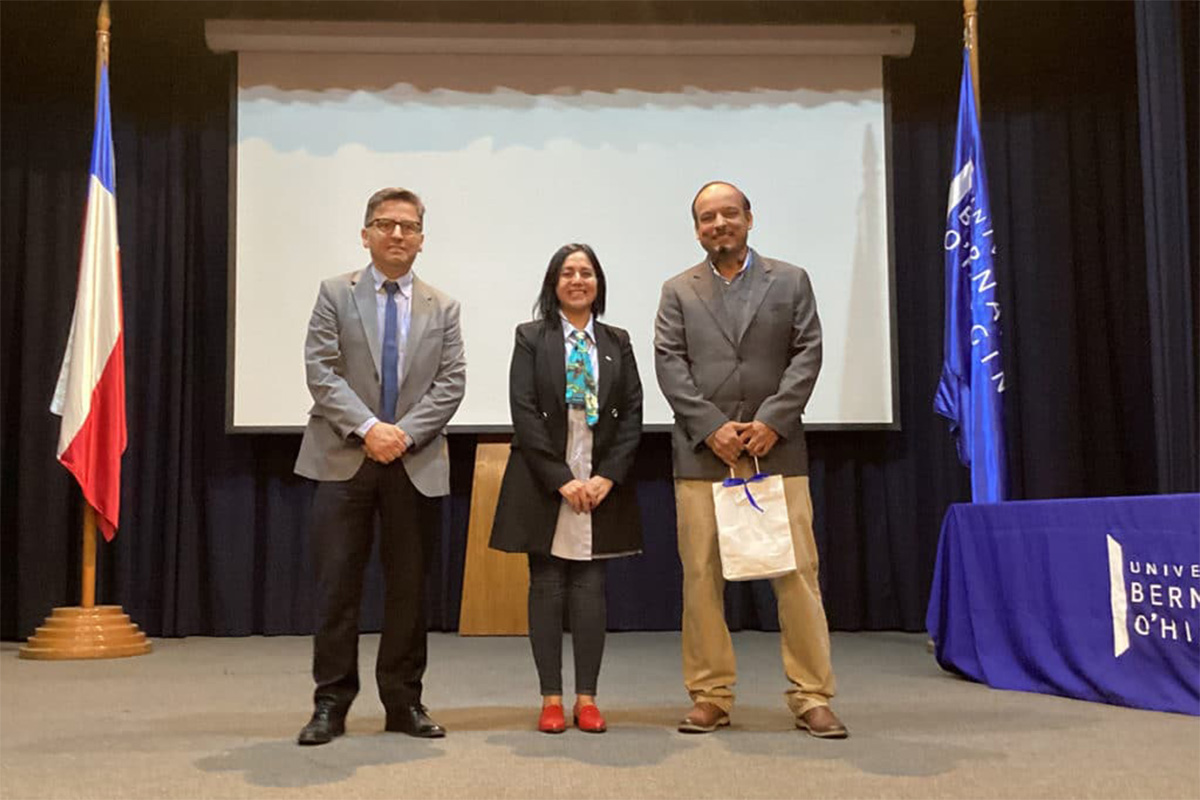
(521, 139)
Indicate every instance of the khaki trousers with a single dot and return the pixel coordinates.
(709, 664)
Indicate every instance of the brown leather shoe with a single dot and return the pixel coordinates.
(704, 718)
(822, 723)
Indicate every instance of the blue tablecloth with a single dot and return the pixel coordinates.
(1096, 599)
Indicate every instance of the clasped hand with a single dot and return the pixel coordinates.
(584, 496)
(728, 441)
(385, 443)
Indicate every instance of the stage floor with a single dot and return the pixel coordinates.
(216, 718)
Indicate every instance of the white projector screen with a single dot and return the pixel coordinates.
(517, 154)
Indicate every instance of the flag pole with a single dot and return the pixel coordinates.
(103, 25)
(970, 390)
(87, 591)
(88, 630)
(971, 42)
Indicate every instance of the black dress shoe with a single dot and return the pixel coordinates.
(327, 724)
(413, 720)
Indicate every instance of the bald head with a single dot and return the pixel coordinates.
(705, 189)
(722, 218)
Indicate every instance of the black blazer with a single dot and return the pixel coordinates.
(527, 511)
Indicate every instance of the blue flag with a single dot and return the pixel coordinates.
(971, 390)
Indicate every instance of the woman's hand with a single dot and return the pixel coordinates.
(598, 488)
(576, 493)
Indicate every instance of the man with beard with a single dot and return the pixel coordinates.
(737, 345)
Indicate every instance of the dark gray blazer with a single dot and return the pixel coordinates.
(711, 373)
(342, 359)
(527, 512)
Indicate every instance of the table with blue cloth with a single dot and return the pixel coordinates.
(1097, 599)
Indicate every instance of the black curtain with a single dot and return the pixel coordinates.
(213, 537)
(1171, 273)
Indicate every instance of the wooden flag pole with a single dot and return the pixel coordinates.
(87, 591)
(88, 630)
(103, 25)
(971, 41)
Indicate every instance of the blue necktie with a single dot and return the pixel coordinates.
(391, 354)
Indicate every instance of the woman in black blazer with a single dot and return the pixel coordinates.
(576, 403)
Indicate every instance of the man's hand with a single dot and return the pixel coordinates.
(757, 437)
(598, 488)
(575, 492)
(385, 443)
(725, 442)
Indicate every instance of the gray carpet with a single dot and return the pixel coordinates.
(216, 718)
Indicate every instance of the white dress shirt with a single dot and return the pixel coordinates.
(568, 346)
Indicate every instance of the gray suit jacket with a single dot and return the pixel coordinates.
(711, 372)
(342, 358)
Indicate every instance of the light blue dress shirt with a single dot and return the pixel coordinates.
(403, 301)
(739, 273)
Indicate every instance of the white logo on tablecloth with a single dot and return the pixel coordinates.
(1153, 599)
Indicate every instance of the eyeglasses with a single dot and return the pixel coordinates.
(388, 226)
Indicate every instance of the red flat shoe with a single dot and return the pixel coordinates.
(552, 719)
(589, 719)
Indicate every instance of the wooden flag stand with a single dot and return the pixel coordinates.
(88, 630)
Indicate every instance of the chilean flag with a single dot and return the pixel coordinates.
(90, 396)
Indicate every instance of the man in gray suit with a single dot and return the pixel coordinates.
(737, 346)
(386, 370)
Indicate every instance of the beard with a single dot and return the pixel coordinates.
(720, 250)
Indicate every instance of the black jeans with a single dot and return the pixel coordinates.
(579, 586)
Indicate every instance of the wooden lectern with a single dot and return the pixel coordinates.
(495, 584)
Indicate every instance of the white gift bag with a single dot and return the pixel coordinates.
(753, 533)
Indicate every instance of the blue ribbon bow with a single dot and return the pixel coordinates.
(745, 484)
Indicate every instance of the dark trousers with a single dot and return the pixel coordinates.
(343, 528)
(579, 586)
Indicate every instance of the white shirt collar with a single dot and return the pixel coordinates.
(568, 328)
